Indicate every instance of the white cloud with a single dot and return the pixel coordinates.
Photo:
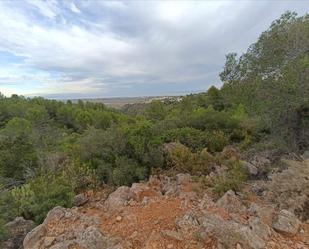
(107, 46)
(74, 8)
(48, 8)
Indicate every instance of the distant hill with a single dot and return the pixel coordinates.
(119, 102)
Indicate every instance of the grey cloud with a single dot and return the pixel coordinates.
(139, 48)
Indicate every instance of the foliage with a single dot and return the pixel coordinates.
(127, 171)
(3, 231)
(182, 159)
(156, 110)
(17, 152)
(232, 179)
(34, 199)
(271, 79)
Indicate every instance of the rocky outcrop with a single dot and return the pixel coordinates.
(231, 203)
(17, 229)
(139, 191)
(167, 212)
(252, 170)
(67, 228)
(286, 223)
(230, 233)
(118, 198)
(289, 189)
(80, 199)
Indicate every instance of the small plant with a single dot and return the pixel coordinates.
(232, 179)
(3, 231)
(182, 159)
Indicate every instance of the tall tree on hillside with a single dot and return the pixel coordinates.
(271, 78)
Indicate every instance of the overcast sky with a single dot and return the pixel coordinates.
(75, 49)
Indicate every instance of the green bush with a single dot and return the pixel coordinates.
(232, 179)
(216, 141)
(180, 158)
(41, 194)
(193, 138)
(127, 171)
(3, 231)
(81, 176)
(17, 152)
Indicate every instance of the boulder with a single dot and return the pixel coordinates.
(261, 163)
(118, 198)
(18, 229)
(170, 187)
(286, 223)
(206, 202)
(183, 179)
(155, 183)
(172, 234)
(261, 229)
(80, 199)
(67, 228)
(230, 202)
(252, 170)
(139, 190)
(229, 233)
(265, 212)
(188, 221)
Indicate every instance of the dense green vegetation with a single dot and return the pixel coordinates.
(50, 150)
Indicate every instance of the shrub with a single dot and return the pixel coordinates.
(232, 179)
(182, 159)
(156, 110)
(127, 171)
(3, 231)
(193, 138)
(81, 176)
(210, 119)
(17, 152)
(8, 207)
(216, 141)
(41, 194)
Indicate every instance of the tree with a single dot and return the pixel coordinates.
(229, 73)
(156, 110)
(271, 78)
(17, 153)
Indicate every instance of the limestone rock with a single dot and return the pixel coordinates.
(67, 228)
(261, 163)
(229, 233)
(265, 213)
(80, 199)
(253, 170)
(286, 223)
(230, 202)
(172, 234)
(118, 198)
(18, 229)
(188, 221)
(183, 179)
(139, 190)
(170, 187)
(206, 202)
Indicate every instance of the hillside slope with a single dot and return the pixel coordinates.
(176, 212)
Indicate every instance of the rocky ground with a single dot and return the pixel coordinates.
(177, 212)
